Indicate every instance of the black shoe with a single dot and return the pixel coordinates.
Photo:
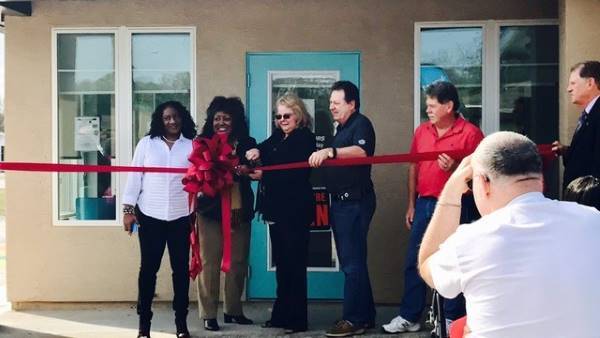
(211, 324)
(181, 327)
(241, 319)
(144, 328)
(291, 331)
(269, 324)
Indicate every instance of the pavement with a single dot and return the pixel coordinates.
(120, 320)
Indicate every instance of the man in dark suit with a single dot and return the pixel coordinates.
(582, 157)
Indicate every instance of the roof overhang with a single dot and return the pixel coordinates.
(18, 8)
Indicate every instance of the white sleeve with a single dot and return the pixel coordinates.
(133, 188)
(445, 270)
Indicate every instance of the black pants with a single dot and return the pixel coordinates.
(154, 234)
(289, 241)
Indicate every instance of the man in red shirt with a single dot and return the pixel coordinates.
(446, 130)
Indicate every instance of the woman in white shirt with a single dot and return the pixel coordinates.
(157, 203)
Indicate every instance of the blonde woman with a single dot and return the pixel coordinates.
(286, 203)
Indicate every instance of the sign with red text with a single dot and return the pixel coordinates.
(321, 221)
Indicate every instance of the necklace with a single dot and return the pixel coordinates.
(167, 140)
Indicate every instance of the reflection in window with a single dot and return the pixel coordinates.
(161, 71)
(454, 55)
(86, 122)
(529, 88)
(529, 81)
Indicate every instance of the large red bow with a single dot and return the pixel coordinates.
(211, 173)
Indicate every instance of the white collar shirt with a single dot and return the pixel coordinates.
(588, 108)
(159, 195)
(525, 270)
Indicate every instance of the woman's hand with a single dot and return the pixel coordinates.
(256, 175)
(253, 154)
(128, 220)
(243, 170)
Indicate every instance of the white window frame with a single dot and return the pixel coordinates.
(490, 68)
(123, 105)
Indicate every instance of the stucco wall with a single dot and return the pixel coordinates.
(49, 263)
(579, 36)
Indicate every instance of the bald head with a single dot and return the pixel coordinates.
(505, 165)
(506, 154)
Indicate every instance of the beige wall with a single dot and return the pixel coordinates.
(50, 263)
(579, 36)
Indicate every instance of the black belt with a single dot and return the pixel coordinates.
(350, 195)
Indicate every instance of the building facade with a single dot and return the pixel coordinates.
(82, 78)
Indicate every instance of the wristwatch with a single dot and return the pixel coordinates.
(332, 153)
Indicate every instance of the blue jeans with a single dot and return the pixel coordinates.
(350, 221)
(415, 290)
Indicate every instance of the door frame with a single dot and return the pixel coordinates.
(320, 278)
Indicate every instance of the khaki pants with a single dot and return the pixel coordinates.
(211, 251)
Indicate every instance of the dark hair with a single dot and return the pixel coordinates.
(351, 92)
(584, 190)
(232, 106)
(589, 69)
(157, 126)
(444, 92)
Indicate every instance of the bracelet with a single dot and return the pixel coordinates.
(128, 210)
(447, 204)
(334, 151)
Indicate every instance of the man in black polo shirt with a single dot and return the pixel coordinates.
(352, 206)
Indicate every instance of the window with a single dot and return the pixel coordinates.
(506, 74)
(455, 55)
(313, 87)
(492, 64)
(106, 85)
(528, 101)
(161, 71)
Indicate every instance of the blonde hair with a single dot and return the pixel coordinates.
(297, 106)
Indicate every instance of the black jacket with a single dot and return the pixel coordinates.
(583, 156)
(211, 207)
(286, 195)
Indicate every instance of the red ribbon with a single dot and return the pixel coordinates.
(211, 173)
(544, 149)
(84, 168)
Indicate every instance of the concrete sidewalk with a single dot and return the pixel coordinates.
(120, 320)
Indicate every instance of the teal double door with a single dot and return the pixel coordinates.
(309, 75)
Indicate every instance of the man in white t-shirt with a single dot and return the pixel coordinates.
(529, 266)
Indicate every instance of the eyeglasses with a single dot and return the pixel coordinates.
(469, 181)
(284, 116)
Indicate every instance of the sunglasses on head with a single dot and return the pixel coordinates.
(284, 116)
